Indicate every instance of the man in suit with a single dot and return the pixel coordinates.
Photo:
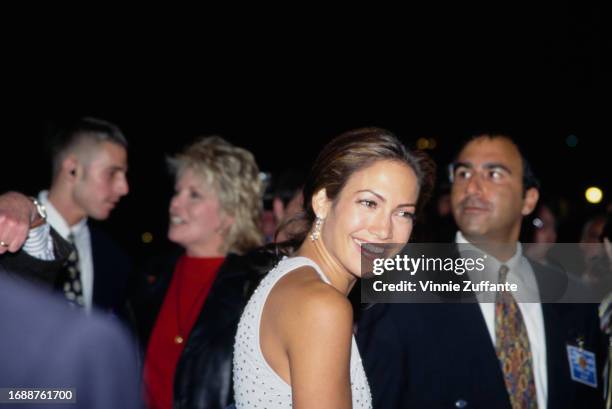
(470, 355)
(89, 179)
(44, 343)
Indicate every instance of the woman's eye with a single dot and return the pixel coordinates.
(194, 195)
(368, 203)
(406, 214)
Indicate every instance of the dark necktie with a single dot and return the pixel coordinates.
(70, 283)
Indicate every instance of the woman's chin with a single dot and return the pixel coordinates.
(175, 237)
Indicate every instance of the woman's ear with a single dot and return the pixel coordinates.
(321, 203)
(226, 222)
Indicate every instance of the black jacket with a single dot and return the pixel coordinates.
(204, 372)
(441, 355)
(113, 272)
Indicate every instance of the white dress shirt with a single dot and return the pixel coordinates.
(520, 273)
(82, 241)
(39, 243)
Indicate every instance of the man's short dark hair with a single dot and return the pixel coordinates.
(529, 178)
(88, 128)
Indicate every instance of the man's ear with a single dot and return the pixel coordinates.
(321, 203)
(530, 201)
(70, 166)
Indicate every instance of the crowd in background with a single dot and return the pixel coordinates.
(175, 314)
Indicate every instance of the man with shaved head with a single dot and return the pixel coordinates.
(89, 178)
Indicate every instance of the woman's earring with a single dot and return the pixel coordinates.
(316, 232)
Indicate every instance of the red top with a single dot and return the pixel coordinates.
(192, 279)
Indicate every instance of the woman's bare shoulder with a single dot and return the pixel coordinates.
(301, 300)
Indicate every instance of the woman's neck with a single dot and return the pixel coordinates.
(341, 279)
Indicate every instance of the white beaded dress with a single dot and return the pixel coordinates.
(256, 384)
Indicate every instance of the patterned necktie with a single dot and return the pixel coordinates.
(71, 284)
(512, 346)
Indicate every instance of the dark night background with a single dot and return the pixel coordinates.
(537, 76)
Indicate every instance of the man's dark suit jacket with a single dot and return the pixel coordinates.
(112, 272)
(47, 344)
(441, 355)
(112, 269)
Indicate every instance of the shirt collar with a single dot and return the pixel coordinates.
(512, 263)
(57, 221)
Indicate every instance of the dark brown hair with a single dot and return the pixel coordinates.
(85, 131)
(342, 157)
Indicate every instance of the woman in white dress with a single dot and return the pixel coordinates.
(295, 346)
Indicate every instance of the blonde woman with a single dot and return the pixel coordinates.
(189, 316)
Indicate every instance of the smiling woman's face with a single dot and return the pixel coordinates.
(196, 220)
(376, 205)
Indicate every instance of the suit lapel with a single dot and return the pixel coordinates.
(98, 282)
(559, 387)
(551, 285)
(102, 288)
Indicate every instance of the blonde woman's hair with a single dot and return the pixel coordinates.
(233, 174)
